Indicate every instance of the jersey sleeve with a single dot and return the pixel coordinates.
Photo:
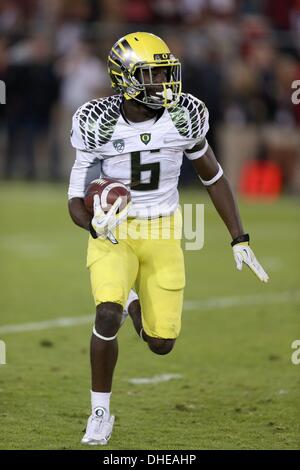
(94, 122)
(198, 149)
(87, 165)
(93, 125)
(198, 120)
(85, 169)
(83, 131)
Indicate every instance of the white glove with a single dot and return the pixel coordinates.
(243, 254)
(103, 223)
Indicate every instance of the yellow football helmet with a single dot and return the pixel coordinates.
(131, 65)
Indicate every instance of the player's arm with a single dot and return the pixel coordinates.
(100, 224)
(78, 213)
(218, 187)
(220, 192)
(86, 168)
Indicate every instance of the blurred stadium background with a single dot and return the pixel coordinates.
(238, 387)
(239, 56)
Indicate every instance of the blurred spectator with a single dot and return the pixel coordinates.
(286, 73)
(3, 63)
(11, 16)
(83, 77)
(193, 11)
(295, 25)
(224, 9)
(239, 56)
(279, 12)
(204, 79)
(31, 95)
(3, 78)
(138, 11)
(72, 19)
(252, 7)
(112, 11)
(166, 11)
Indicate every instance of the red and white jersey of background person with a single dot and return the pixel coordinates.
(145, 156)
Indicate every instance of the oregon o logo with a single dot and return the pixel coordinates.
(163, 56)
(145, 138)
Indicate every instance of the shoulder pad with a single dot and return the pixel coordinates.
(94, 122)
(190, 117)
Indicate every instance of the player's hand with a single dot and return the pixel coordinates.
(104, 223)
(243, 254)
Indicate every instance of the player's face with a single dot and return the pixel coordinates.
(157, 75)
(151, 75)
(159, 84)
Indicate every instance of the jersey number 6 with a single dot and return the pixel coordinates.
(137, 169)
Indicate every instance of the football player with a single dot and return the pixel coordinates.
(139, 136)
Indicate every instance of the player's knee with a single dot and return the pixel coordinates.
(160, 346)
(108, 318)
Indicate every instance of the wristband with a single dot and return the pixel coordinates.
(240, 239)
(92, 231)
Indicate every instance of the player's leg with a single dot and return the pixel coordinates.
(161, 318)
(130, 308)
(160, 284)
(160, 346)
(113, 270)
(157, 345)
(134, 311)
(104, 345)
(109, 317)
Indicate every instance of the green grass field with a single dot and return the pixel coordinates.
(238, 387)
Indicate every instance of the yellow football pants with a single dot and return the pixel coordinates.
(148, 258)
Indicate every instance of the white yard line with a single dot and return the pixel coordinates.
(156, 379)
(245, 300)
(189, 305)
(46, 325)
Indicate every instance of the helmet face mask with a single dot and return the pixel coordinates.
(155, 93)
(141, 67)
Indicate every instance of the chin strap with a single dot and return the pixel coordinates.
(167, 94)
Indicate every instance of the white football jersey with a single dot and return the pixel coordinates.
(145, 156)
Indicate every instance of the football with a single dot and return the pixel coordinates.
(108, 191)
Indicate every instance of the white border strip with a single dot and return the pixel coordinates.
(189, 305)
